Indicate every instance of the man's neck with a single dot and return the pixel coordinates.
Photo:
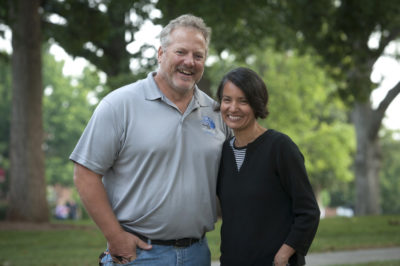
(180, 99)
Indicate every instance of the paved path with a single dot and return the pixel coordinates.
(348, 257)
(356, 256)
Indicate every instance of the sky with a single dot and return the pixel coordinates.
(386, 69)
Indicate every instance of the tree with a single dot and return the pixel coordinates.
(27, 197)
(339, 32)
(100, 32)
(105, 46)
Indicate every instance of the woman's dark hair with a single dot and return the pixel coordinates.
(252, 86)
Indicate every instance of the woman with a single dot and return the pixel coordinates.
(269, 212)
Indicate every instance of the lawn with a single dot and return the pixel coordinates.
(357, 233)
(81, 245)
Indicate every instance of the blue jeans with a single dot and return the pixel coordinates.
(197, 254)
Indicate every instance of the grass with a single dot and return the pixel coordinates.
(82, 246)
(357, 233)
(52, 247)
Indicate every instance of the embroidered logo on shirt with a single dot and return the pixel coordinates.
(208, 125)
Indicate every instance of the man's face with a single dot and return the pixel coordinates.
(182, 62)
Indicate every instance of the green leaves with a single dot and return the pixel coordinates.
(390, 172)
(66, 111)
(97, 31)
(302, 105)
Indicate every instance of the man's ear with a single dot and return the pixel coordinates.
(159, 54)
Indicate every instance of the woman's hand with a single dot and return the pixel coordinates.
(283, 255)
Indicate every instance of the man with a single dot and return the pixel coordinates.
(146, 165)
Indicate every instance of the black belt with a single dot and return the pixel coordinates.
(181, 243)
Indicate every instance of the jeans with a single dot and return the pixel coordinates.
(197, 254)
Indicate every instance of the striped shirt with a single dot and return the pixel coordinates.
(240, 153)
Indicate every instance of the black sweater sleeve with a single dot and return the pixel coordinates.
(291, 169)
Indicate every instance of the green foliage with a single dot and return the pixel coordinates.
(120, 80)
(237, 26)
(302, 105)
(339, 32)
(98, 31)
(390, 173)
(66, 111)
(4, 14)
(328, 153)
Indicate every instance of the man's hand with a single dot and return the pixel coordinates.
(122, 247)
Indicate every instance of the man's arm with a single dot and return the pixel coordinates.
(94, 198)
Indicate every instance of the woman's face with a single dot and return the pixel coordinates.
(235, 109)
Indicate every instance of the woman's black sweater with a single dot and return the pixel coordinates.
(267, 203)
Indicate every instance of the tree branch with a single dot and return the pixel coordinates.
(392, 93)
(384, 41)
(379, 113)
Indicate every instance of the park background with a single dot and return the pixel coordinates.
(331, 68)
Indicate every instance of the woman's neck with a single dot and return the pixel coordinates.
(244, 137)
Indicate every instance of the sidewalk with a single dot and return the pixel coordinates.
(348, 257)
(355, 256)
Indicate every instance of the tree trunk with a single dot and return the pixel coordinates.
(367, 161)
(27, 198)
(368, 157)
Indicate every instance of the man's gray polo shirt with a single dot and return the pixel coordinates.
(159, 166)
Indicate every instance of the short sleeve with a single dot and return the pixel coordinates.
(101, 140)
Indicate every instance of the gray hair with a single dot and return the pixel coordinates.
(187, 20)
